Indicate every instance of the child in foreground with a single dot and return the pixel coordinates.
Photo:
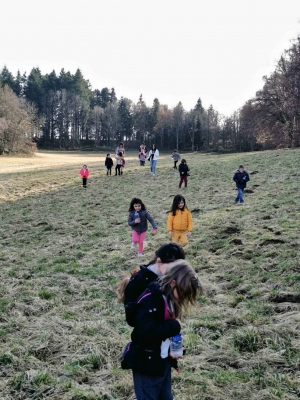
(158, 313)
(131, 287)
(183, 172)
(84, 172)
(137, 219)
(180, 222)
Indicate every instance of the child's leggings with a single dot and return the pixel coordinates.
(139, 238)
(179, 237)
(183, 178)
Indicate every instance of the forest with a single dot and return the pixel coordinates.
(63, 111)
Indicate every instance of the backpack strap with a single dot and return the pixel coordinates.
(145, 295)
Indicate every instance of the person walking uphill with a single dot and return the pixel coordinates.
(158, 313)
(179, 221)
(153, 157)
(183, 171)
(137, 219)
(241, 178)
(84, 172)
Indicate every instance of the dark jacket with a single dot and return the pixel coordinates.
(241, 179)
(150, 330)
(142, 226)
(109, 162)
(137, 284)
(183, 169)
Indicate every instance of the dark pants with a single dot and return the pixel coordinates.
(118, 169)
(84, 180)
(175, 164)
(183, 178)
(153, 387)
(108, 170)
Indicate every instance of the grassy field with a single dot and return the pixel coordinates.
(62, 249)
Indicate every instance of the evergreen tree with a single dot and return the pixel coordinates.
(104, 97)
(125, 119)
(112, 96)
(18, 85)
(153, 116)
(7, 78)
(34, 88)
(141, 115)
(51, 82)
(65, 80)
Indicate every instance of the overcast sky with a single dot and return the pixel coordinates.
(173, 50)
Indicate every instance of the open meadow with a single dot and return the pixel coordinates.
(62, 249)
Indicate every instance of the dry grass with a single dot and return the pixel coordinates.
(63, 248)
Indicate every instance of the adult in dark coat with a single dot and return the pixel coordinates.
(241, 178)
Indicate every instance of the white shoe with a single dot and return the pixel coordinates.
(140, 254)
(132, 246)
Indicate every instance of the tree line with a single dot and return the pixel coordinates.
(65, 112)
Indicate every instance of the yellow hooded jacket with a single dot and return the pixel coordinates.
(182, 221)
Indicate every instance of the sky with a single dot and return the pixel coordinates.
(172, 50)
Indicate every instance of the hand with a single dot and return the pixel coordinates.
(189, 234)
(154, 231)
(137, 220)
(170, 233)
(176, 358)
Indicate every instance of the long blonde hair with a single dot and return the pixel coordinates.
(186, 284)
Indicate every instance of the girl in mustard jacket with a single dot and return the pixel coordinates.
(180, 222)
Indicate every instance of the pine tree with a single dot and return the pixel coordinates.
(34, 88)
(125, 119)
(7, 78)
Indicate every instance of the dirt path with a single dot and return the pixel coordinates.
(43, 160)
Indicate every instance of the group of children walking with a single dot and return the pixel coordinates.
(155, 295)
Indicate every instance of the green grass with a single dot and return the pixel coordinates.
(63, 248)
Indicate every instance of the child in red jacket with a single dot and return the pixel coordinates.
(84, 172)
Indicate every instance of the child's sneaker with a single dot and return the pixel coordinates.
(140, 254)
(132, 246)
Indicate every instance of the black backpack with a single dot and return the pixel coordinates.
(137, 284)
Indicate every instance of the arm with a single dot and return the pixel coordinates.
(150, 328)
(190, 221)
(131, 220)
(170, 222)
(151, 220)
